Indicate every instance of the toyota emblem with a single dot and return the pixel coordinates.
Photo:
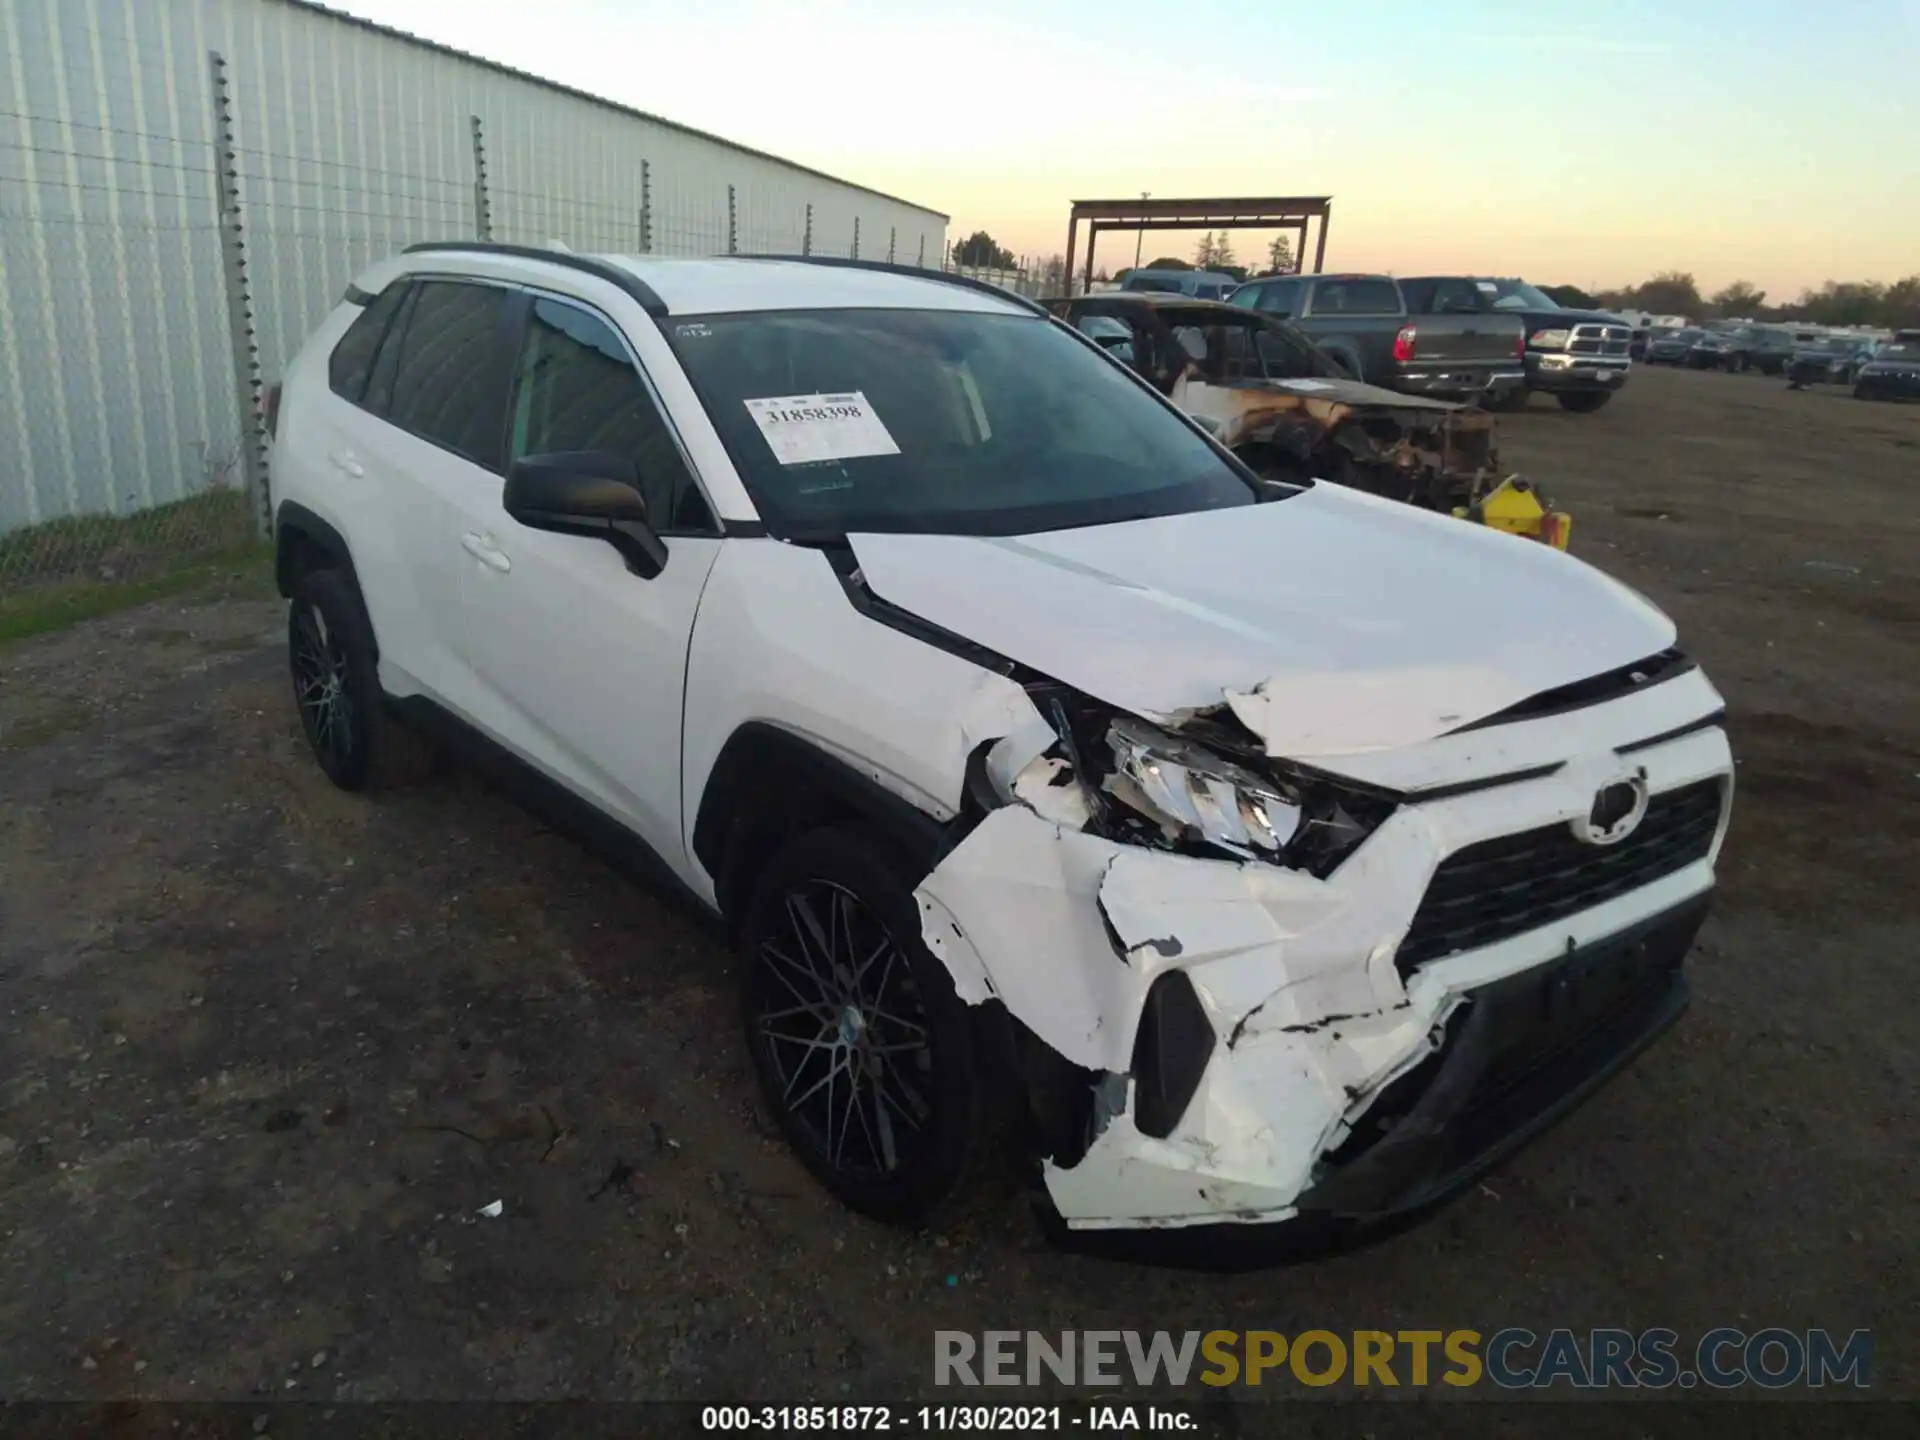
(1616, 812)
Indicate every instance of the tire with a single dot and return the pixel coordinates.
(358, 742)
(1513, 401)
(919, 1120)
(1584, 402)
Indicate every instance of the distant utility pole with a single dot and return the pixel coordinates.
(1139, 235)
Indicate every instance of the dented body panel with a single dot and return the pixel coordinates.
(1312, 1018)
(1349, 623)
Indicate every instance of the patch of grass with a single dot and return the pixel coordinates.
(242, 572)
(125, 548)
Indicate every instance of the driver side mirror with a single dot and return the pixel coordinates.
(590, 493)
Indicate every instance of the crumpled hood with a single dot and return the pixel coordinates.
(1332, 622)
(1348, 392)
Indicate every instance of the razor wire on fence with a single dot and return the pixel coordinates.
(179, 209)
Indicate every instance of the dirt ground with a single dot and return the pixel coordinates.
(267, 1049)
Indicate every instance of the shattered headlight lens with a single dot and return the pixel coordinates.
(1192, 794)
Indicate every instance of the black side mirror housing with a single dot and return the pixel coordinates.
(590, 493)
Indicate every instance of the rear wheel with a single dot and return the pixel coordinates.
(862, 1050)
(359, 744)
(1513, 400)
(1585, 402)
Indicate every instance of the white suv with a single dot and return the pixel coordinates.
(1250, 853)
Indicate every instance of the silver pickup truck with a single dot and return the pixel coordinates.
(1365, 323)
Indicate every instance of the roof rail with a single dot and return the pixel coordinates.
(649, 300)
(885, 267)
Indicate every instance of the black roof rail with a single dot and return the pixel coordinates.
(886, 267)
(649, 300)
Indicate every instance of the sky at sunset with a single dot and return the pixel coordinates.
(1589, 143)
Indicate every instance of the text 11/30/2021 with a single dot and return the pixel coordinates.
(1087, 1418)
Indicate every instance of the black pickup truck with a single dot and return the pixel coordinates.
(1579, 356)
(1365, 323)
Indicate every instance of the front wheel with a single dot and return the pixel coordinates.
(862, 1050)
(1585, 402)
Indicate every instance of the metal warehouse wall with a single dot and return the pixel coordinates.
(116, 374)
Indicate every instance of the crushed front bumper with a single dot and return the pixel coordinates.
(1519, 1054)
(1359, 1063)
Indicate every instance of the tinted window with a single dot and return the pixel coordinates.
(940, 421)
(450, 386)
(1356, 297)
(1455, 297)
(351, 363)
(1247, 296)
(1281, 298)
(578, 390)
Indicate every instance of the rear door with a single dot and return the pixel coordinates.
(1457, 325)
(438, 388)
(581, 664)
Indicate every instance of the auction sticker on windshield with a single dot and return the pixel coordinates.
(803, 429)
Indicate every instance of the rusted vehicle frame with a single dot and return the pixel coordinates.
(1429, 453)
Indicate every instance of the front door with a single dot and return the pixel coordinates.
(582, 664)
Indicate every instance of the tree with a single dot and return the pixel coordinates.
(1167, 262)
(1053, 275)
(1739, 300)
(1280, 255)
(979, 251)
(1570, 296)
(1671, 292)
(1214, 252)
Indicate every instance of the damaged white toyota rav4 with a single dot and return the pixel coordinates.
(1270, 860)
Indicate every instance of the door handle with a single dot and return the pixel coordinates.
(343, 461)
(482, 548)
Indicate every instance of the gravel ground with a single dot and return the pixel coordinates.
(268, 1048)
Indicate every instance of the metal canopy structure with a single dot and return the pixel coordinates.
(1284, 212)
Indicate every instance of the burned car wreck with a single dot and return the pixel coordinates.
(1266, 392)
(1286, 962)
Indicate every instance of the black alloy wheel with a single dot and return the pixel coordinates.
(862, 1050)
(323, 688)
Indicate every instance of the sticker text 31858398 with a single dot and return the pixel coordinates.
(802, 429)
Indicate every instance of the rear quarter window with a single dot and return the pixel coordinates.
(351, 363)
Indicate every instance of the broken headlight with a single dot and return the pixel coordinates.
(1195, 795)
(1183, 794)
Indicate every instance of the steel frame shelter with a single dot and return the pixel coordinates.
(1285, 212)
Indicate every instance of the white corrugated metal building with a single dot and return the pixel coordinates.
(116, 373)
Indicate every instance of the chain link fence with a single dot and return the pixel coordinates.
(186, 190)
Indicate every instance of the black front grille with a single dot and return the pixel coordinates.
(1506, 886)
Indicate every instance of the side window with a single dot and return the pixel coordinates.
(351, 364)
(1453, 297)
(451, 382)
(576, 389)
(1247, 296)
(1281, 298)
(1356, 297)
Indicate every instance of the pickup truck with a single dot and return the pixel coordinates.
(1365, 323)
(1581, 357)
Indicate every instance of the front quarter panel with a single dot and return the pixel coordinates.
(778, 641)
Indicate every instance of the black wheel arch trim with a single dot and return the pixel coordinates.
(294, 525)
(768, 780)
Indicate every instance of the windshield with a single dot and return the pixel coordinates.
(1689, 336)
(1515, 295)
(942, 422)
(1900, 350)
